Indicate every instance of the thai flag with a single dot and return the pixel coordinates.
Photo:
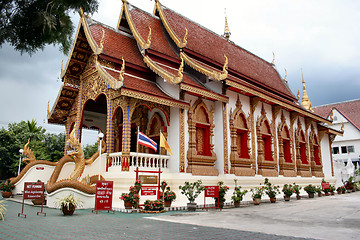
(147, 142)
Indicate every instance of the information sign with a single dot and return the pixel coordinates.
(148, 179)
(148, 191)
(325, 185)
(33, 190)
(211, 191)
(104, 193)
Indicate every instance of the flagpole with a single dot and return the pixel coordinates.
(137, 147)
(160, 147)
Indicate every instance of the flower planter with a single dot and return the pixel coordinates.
(167, 203)
(273, 200)
(68, 210)
(287, 198)
(237, 204)
(257, 201)
(6, 194)
(319, 194)
(39, 201)
(332, 193)
(191, 207)
(298, 197)
(327, 194)
(128, 205)
(311, 195)
(339, 192)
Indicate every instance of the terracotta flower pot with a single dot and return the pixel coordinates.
(68, 211)
(287, 198)
(319, 194)
(6, 194)
(167, 203)
(237, 204)
(39, 201)
(327, 194)
(128, 204)
(191, 207)
(311, 195)
(298, 197)
(339, 192)
(273, 200)
(257, 201)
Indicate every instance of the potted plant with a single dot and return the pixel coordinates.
(169, 196)
(238, 195)
(130, 199)
(288, 191)
(271, 190)
(219, 202)
(349, 184)
(332, 190)
(39, 201)
(6, 189)
(137, 185)
(343, 189)
(326, 191)
(339, 190)
(310, 189)
(68, 204)
(319, 191)
(297, 189)
(192, 191)
(2, 210)
(156, 205)
(257, 193)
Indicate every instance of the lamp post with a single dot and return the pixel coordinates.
(21, 152)
(101, 135)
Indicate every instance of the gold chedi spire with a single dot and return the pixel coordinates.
(227, 32)
(305, 98)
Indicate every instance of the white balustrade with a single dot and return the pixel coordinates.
(144, 160)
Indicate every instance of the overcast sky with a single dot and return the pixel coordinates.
(320, 37)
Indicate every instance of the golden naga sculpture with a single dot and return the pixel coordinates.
(75, 155)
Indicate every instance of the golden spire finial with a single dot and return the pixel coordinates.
(305, 98)
(227, 32)
(273, 61)
(81, 12)
(298, 94)
(48, 108)
(285, 75)
(342, 126)
(185, 36)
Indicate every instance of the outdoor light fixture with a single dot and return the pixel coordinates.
(101, 136)
(21, 152)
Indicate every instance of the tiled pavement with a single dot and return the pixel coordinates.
(86, 225)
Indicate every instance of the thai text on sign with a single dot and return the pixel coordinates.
(104, 192)
(148, 179)
(325, 185)
(148, 191)
(33, 190)
(211, 191)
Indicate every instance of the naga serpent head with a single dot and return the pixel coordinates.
(73, 143)
(28, 153)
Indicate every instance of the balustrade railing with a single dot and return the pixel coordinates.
(145, 160)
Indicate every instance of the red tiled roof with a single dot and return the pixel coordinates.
(117, 45)
(349, 109)
(143, 86)
(212, 46)
(142, 21)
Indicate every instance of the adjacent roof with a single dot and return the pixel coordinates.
(349, 109)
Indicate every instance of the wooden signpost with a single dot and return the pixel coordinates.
(103, 198)
(211, 191)
(33, 190)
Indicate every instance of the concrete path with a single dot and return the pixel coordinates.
(327, 217)
(333, 217)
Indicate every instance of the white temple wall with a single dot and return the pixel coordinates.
(326, 156)
(173, 139)
(171, 89)
(218, 138)
(216, 86)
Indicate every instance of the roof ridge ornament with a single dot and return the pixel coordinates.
(273, 60)
(101, 47)
(225, 67)
(108, 79)
(184, 42)
(285, 76)
(148, 41)
(181, 68)
(227, 32)
(122, 71)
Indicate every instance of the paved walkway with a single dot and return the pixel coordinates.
(339, 215)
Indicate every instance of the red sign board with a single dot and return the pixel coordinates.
(33, 190)
(325, 185)
(148, 191)
(39, 168)
(103, 198)
(211, 191)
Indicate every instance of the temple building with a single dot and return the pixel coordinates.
(225, 112)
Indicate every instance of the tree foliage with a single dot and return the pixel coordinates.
(29, 25)
(45, 146)
(89, 150)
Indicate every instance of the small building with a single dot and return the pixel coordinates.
(345, 116)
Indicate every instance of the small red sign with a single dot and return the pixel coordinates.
(148, 191)
(104, 192)
(325, 185)
(33, 190)
(211, 191)
(39, 168)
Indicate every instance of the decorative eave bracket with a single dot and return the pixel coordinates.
(113, 83)
(163, 73)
